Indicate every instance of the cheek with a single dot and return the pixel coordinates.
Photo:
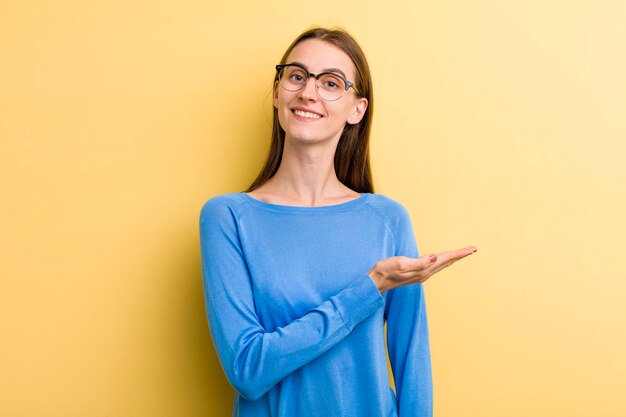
(342, 112)
(282, 101)
(281, 118)
(282, 98)
(283, 112)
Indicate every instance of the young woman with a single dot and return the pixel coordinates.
(302, 270)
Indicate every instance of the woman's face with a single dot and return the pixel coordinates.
(303, 115)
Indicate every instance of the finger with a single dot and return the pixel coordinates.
(458, 253)
(464, 251)
(470, 249)
(438, 268)
(444, 263)
(412, 265)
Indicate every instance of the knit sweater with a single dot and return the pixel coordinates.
(297, 323)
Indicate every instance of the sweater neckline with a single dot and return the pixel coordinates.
(306, 209)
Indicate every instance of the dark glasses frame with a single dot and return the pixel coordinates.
(349, 84)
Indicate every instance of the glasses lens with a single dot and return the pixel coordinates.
(293, 78)
(332, 87)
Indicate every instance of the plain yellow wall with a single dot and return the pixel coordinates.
(498, 123)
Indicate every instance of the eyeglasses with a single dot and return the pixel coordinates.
(330, 86)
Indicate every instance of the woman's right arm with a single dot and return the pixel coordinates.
(255, 360)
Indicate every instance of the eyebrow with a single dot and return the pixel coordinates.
(336, 70)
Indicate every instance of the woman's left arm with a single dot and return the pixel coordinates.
(407, 335)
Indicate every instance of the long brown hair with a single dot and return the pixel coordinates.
(352, 160)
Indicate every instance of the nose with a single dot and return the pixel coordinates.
(309, 91)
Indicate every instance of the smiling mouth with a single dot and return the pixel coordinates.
(306, 114)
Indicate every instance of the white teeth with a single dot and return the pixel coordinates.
(307, 114)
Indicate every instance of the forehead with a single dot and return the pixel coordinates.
(318, 56)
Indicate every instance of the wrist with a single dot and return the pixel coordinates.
(378, 278)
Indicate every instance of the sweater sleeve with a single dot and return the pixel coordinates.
(253, 359)
(407, 335)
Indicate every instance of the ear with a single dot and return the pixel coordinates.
(275, 94)
(358, 112)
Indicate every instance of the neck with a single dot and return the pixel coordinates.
(307, 173)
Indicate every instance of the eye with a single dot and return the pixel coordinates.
(331, 82)
(296, 75)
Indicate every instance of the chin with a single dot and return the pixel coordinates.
(304, 137)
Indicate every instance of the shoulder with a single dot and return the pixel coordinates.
(399, 222)
(391, 210)
(222, 207)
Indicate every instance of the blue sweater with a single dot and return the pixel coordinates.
(296, 321)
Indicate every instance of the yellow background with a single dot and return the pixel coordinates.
(500, 124)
